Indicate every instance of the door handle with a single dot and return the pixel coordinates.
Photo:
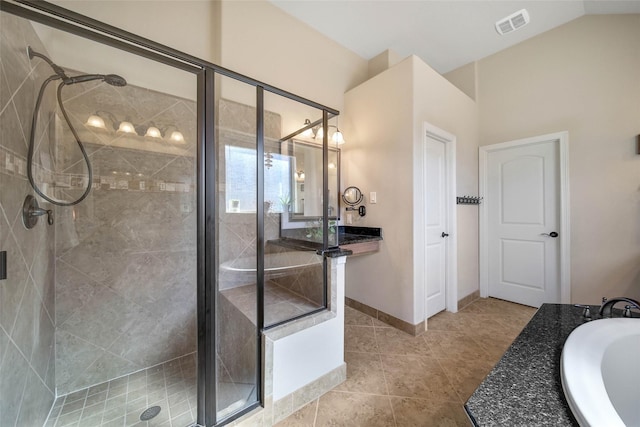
(444, 234)
(552, 234)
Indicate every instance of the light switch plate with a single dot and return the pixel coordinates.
(373, 198)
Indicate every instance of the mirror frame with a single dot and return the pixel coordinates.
(351, 203)
(287, 148)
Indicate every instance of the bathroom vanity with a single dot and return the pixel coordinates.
(525, 388)
(359, 240)
(352, 240)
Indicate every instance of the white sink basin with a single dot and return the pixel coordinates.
(600, 370)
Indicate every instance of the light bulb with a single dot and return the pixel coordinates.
(96, 121)
(320, 133)
(338, 138)
(126, 127)
(177, 136)
(153, 132)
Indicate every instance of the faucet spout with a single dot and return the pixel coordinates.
(607, 306)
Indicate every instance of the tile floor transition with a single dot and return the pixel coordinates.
(119, 402)
(395, 379)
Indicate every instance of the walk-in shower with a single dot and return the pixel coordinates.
(119, 311)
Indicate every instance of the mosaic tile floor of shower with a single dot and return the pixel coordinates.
(120, 402)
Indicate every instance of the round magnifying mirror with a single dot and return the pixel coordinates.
(352, 196)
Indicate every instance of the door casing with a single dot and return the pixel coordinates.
(564, 262)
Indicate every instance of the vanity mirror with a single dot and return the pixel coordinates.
(352, 197)
(305, 202)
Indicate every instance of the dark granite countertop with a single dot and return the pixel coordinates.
(348, 235)
(305, 245)
(524, 388)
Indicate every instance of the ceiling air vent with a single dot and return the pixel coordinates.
(512, 22)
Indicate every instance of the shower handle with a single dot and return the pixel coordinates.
(31, 212)
(40, 212)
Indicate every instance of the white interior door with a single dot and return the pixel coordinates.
(436, 225)
(523, 219)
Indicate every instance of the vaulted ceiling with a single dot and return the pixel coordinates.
(446, 34)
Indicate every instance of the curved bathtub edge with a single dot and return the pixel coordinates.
(579, 356)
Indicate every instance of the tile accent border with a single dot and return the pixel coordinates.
(463, 302)
(390, 320)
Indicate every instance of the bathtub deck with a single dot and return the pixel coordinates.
(524, 388)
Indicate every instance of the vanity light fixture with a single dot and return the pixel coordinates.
(316, 132)
(337, 137)
(126, 126)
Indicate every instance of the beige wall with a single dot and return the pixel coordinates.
(196, 32)
(378, 157)
(583, 77)
(386, 116)
(441, 104)
(464, 78)
(263, 42)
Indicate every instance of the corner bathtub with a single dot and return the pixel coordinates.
(275, 265)
(600, 372)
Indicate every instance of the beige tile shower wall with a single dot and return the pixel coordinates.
(27, 367)
(125, 256)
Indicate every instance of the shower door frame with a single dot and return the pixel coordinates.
(71, 22)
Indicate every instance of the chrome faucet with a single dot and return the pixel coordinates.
(607, 306)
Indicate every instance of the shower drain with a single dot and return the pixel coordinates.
(149, 413)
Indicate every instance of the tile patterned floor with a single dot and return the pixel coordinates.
(119, 402)
(394, 379)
